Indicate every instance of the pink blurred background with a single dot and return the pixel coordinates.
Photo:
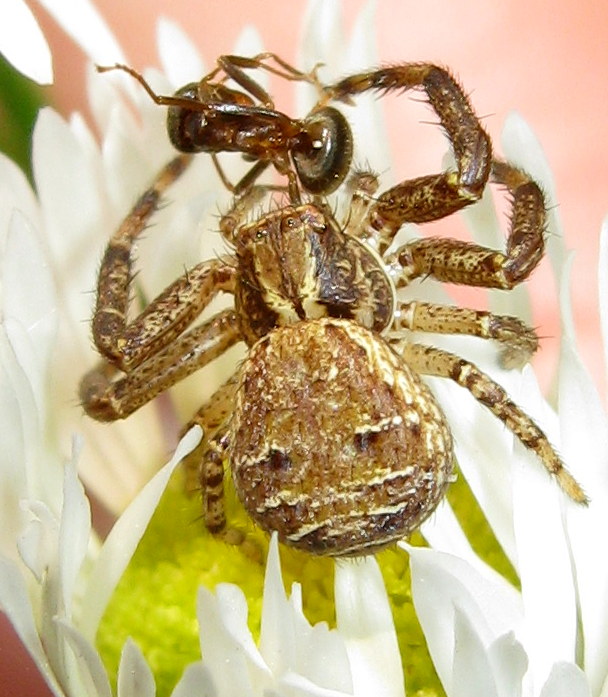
(547, 60)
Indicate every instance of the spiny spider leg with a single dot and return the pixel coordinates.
(518, 340)
(108, 399)
(165, 318)
(454, 261)
(211, 417)
(433, 196)
(212, 487)
(126, 344)
(204, 466)
(429, 360)
(212, 480)
(149, 349)
(362, 186)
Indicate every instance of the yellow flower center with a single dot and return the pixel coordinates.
(155, 602)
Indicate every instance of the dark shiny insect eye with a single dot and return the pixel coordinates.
(184, 125)
(324, 163)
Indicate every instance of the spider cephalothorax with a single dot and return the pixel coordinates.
(333, 438)
(297, 263)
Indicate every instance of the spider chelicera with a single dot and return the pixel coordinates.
(332, 437)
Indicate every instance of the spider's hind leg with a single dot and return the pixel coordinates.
(212, 418)
(205, 467)
(429, 360)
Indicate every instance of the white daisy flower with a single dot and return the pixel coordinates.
(23, 44)
(528, 623)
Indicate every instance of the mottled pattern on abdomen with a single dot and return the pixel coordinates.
(336, 444)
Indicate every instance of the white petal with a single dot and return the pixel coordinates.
(15, 603)
(584, 432)
(249, 43)
(472, 674)
(441, 582)
(364, 619)
(135, 678)
(84, 673)
(546, 578)
(124, 537)
(74, 531)
(290, 645)
(33, 375)
(443, 532)
(566, 680)
(321, 655)
(509, 663)
(277, 635)
(362, 51)
(22, 425)
(484, 452)
(294, 685)
(69, 195)
(22, 42)
(222, 651)
(32, 302)
(37, 544)
(322, 43)
(13, 429)
(15, 193)
(86, 26)
(180, 59)
(123, 152)
(195, 682)
(232, 606)
(323, 38)
(367, 118)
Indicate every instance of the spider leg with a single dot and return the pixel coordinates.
(361, 185)
(152, 351)
(126, 344)
(107, 397)
(454, 261)
(518, 340)
(211, 417)
(212, 480)
(433, 361)
(206, 463)
(433, 196)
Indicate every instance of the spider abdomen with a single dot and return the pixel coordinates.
(336, 443)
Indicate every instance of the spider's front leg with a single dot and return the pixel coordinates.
(454, 261)
(153, 351)
(433, 196)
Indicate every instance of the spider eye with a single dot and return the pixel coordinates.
(324, 163)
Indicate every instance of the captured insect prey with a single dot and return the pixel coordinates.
(330, 433)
